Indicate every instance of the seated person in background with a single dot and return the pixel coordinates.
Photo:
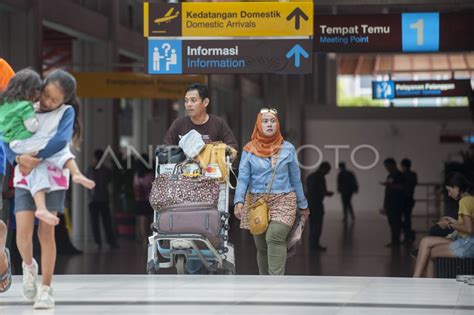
(432, 247)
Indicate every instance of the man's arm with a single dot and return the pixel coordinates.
(172, 135)
(227, 135)
(62, 136)
(339, 182)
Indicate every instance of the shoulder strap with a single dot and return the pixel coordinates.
(274, 172)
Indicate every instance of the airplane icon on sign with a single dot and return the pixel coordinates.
(168, 17)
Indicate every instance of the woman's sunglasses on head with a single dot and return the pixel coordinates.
(269, 110)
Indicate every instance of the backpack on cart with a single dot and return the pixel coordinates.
(167, 156)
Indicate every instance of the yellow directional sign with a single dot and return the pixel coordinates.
(133, 85)
(228, 19)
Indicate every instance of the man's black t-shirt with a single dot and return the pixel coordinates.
(215, 129)
(395, 190)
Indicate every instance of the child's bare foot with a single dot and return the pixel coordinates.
(46, 216)
(82, 180)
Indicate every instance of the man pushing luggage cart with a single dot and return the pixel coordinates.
(211, 129)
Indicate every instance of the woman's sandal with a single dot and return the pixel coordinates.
(7, 276)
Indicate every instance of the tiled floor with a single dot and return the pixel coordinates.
(353, 250)
(166, 294)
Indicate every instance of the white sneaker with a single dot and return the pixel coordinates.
(30, 288)
(45, 298)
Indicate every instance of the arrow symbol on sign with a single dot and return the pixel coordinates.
(297, 14)
(297, 51)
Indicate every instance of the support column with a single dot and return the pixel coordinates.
(97, 133)
(21, 36)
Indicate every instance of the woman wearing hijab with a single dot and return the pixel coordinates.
(266, 151)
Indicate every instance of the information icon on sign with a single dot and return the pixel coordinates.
(164, 57)
(383, 90)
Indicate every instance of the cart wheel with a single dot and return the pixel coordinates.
(180, 265)
(225, 215)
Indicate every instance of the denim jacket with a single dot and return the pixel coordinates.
(255, 174)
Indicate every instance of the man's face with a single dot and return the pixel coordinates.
(195, 106)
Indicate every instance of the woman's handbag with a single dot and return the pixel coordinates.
(258, 214)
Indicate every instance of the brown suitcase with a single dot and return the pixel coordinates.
(189, 218)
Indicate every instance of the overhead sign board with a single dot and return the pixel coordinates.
(133, 85)
(176, 56)
(406, 32)
(228, 19)
(357, 33)
(413, 89)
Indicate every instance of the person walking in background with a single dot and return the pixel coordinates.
(99, 201)
(347, 186)
(269, 167)
(394, 200)
(317, 191)
(411, 180)
(142, 182)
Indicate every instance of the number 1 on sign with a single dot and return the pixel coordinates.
(418, 26)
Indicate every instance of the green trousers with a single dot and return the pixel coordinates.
(271, 249)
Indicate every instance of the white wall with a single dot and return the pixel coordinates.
(417, 140)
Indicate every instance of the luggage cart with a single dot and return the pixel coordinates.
(216, 254)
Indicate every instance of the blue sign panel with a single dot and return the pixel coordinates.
(165, 56)
(410, 89)
(383, 90)
(290, 56)
(420, 32)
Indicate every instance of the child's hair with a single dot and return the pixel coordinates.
(66, 82)
(24, 85)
